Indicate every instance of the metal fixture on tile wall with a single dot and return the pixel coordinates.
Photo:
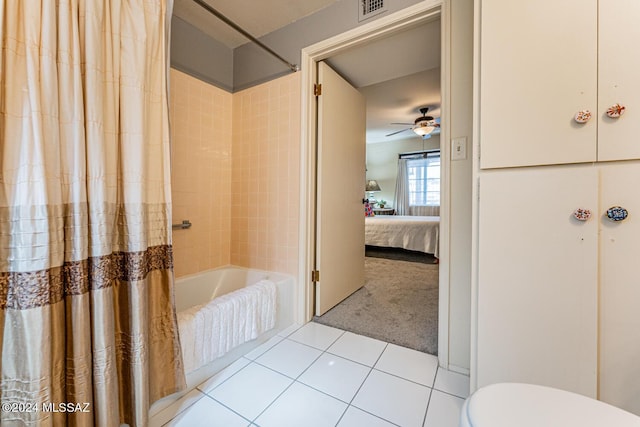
(183, 225)
(229, 22)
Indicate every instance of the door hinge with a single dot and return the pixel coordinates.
(315, 276)
(317, 89)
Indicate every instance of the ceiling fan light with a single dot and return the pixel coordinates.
(423, 128)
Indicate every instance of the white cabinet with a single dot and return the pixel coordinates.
(620, 289)
(543, 61)
(537, 278)
(558, 298)
(618, 71)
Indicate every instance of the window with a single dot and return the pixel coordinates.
(424, 180)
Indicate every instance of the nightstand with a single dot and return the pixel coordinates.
(384, 211)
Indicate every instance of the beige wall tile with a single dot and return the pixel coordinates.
(201, 173)
(264, 179)
(235, 179)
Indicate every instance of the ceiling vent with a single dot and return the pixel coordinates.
(369, 8)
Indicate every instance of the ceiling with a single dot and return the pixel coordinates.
(399, 101)
(256, 17)
(398, 74)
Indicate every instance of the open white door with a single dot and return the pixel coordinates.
(341, 182)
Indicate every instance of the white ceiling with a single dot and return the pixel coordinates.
(256, 17)
(397, 74)
(399, 101)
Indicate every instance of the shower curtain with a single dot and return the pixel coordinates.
(87, 314)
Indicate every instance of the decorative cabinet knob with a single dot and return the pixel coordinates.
(582, 116)
(617, 213)
(582, 214)
(616, 111)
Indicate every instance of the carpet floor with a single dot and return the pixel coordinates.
(398, 304)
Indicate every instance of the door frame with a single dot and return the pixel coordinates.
(384, 26)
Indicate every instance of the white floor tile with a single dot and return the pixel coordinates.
(355, 417)
(302, 406)
(410, 364)
(288, 331)
(444, 410)
(260, 350)
(251, 390)
(289, 358)
(223, 375)
(358, 348)
(394, 399)
(208, 413)
(338, 377)
(177, 407)
(452, 383)
(316, 335)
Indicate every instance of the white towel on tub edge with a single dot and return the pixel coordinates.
(210, 330)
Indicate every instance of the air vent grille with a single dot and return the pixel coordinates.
(369, 8)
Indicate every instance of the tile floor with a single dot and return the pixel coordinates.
(316, 375)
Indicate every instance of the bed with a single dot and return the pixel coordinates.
(414, 233)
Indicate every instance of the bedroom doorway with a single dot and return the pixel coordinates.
(399, 300)
(392, 24)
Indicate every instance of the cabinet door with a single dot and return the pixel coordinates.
(538, 67)
(619, 68)
(620, 289)
(537, 278)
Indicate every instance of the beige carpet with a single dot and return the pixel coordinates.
(398, 304)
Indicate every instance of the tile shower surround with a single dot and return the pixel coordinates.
(235, 174)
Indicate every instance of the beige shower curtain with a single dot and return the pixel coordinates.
(86, 285)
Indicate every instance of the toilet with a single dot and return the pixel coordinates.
(528, 405)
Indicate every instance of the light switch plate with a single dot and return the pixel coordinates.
(459, 148)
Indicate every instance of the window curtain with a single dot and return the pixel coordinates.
(402, 189)
(87, 313)
(425, 210)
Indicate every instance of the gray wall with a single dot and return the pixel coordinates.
(200, 56)
(252, 66)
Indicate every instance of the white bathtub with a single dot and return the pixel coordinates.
(198, 289)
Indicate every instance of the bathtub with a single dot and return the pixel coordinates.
(198, 289)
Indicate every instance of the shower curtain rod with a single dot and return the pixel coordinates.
(220, 16)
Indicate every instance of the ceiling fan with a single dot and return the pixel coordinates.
(423, 126)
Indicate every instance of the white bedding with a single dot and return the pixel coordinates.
(415, 233)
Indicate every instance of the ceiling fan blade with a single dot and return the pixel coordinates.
(406, 124)
(398, 132)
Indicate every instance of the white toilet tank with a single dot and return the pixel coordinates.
(528, 405)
